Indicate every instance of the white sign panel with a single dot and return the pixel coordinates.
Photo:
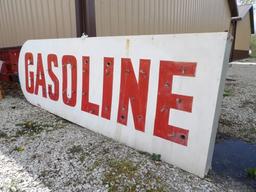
(159, 94)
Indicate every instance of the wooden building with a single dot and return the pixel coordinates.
(244, 26)
(131, 17)
(21, 20)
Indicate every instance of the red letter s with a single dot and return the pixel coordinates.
(52, 59)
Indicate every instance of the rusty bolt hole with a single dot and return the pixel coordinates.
(178, 100)
(183, 70)
(140, 117)
(127, 71)
(167, 84)
(183, 137)
(108, 64)
(122, 117)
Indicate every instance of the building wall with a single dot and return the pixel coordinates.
(243, 34)
(21, 20)
(130, 17)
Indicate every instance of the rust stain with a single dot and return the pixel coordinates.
(127, 47)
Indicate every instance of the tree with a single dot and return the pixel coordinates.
(247, 1)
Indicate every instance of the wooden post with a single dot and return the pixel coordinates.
(1, 92)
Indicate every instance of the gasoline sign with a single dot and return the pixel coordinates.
(160, 93)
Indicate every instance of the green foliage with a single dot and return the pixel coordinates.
(227, 93)
(118, 169)
(32, 128)
(29, 128)
(253, 46)
(156, 157)
(251, 172)
(78, 152)
(18, 149)
(76, 149)
(124, 175)
(247, 1)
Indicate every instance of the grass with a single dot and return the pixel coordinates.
(156, 157)
(126, 174)
(227, 93)
(3, 135)
(253, 46)
(119, 168)
(29, 128)
(95, 165)
(19, 149)
(78, 151)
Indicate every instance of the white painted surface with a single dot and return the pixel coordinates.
(207, 50)
(242, 63)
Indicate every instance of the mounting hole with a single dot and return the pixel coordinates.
(108, 64)
(183, 137)
(92, 111)
(178, 100)
(167, 84)
(122, 117)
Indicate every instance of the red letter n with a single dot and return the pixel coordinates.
(137, 93)
(166, 100)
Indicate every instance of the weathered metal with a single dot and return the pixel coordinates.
(9, 64)
(158, 93)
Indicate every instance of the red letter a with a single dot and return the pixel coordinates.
(40, 78)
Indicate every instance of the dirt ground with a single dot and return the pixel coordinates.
(238, 116)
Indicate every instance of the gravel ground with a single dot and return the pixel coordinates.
(42, 152)
(238, 118)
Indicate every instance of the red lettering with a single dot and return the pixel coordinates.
(137, 93)
(86, 105)
(69, 60)
(131, 90)
(166, 100)
(29, 75)
(52, 59)
(40, 77)
(107, 87)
